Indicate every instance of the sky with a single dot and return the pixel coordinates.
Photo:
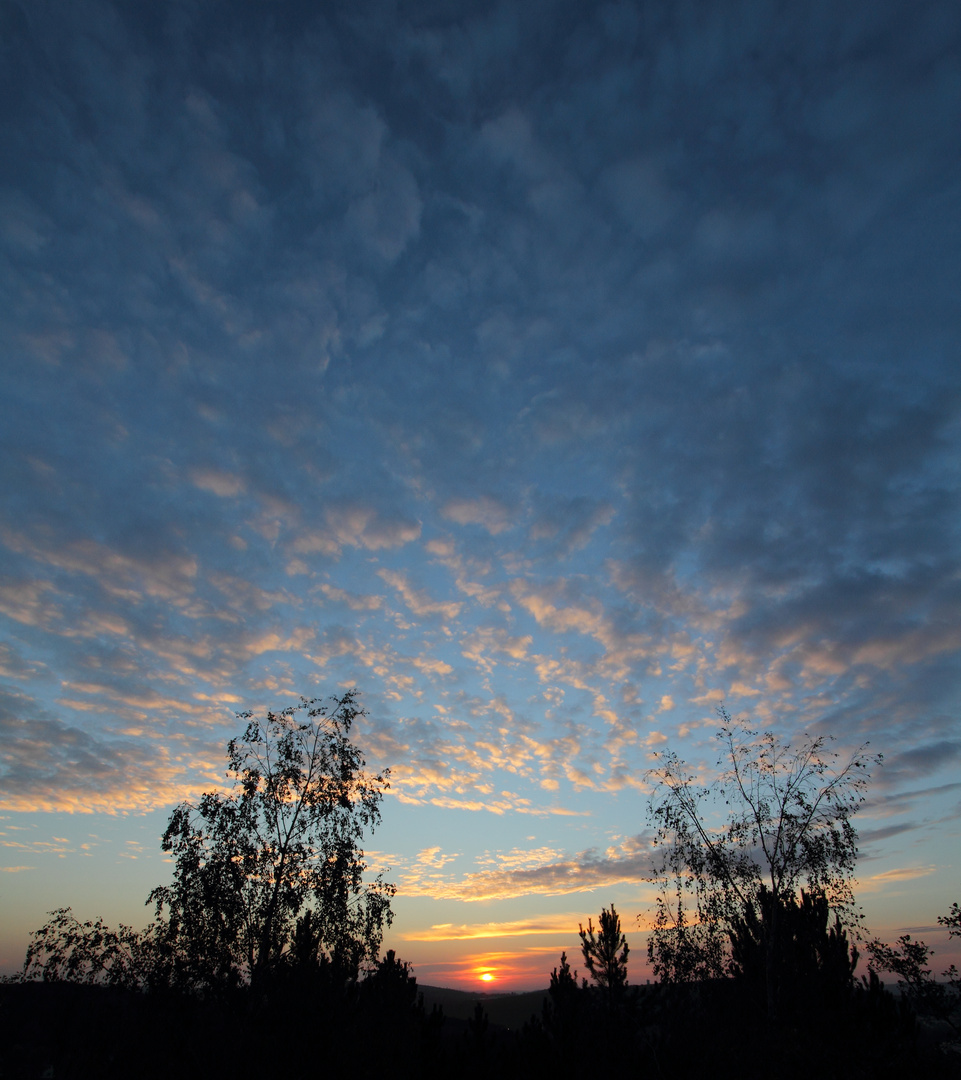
(553, 373)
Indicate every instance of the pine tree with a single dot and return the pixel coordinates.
(605, 954)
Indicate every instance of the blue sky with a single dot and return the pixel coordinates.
(552, 372)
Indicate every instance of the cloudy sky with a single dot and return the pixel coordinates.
(552, 372)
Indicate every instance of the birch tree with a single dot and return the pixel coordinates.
(776, 820)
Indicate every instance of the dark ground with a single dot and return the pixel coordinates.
(82, 1032)
(508, 1010)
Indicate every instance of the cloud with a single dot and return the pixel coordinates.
(483, 510)
(356, 525)
(432, 857)
(487, 646)
(877, 882)
(29, 602)
(353, 601)
(220, 483)
(166, 575)
(50, 766)
(884, 803)
(388, 217)
(554, 924)
(567, 524)
(921, 761)
(542, 873)
(871, 836)
(417, 599)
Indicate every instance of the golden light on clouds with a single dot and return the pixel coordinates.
(553, 924)
(892, 877)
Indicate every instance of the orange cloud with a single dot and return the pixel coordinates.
(416, 599)
(904, 873)
(553, 924)
(483, 511)
(542, 872)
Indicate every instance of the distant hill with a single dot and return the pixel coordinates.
(504, 1009)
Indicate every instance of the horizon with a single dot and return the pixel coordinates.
(553, 373)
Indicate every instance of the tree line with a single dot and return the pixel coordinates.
(271, 925)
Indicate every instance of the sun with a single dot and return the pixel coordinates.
(487, 977)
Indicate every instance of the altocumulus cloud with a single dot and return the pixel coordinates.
(48, 765)
(543, 872)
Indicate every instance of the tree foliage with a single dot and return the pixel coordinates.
(563, 984)
(91, 953)
(910, 961)
(562, 1010)
(269, 876)
(952, 921)
(272, 870)
(735, 853)
(813, 962)
(605, 952)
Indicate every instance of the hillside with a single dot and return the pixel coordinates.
(504, 1009)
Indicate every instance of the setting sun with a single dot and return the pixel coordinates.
(487, 977)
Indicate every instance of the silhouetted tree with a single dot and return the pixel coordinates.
(567, 1021)
(684, 947)
(394, 1021)
(477, 1045)
(391, 986)
(93, 954)
(813, 962)
(563, 984)
(952, 921)
(268, 877)
(788, 810)
(275, 866)
(605, 955)
(909, 960)
(561, 1009)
